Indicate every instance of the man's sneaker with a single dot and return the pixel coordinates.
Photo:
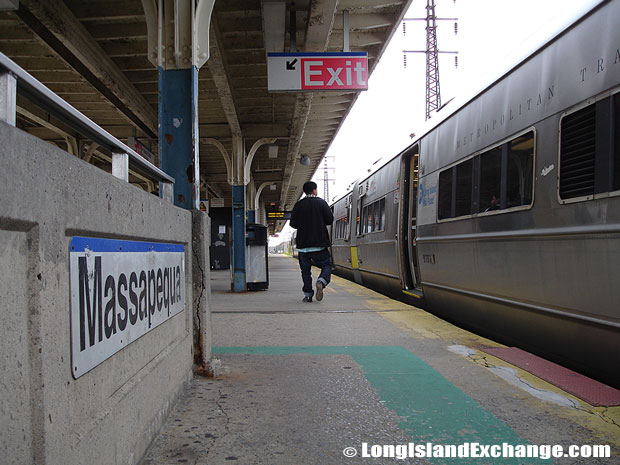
(319, 290)
(308, 299)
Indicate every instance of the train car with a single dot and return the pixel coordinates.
(365, 231)
(505, 216)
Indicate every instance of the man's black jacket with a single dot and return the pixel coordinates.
(310, 217)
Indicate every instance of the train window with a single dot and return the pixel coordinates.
(341, 228)
(464, 176)
(502, 177)
(380, 215)
(445, 194)
(490, 180)
(364, 220)
(520, 171)
(376, 217)
(373, 217)
(590, 150)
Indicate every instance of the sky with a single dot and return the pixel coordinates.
(493, 36)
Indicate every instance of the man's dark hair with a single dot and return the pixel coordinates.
(309, 187)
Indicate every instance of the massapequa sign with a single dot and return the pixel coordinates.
(120, 290)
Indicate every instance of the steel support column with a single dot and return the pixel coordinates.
(238, 232)
(250, 195)
(178, 104)
(251, 216)
(238, 214)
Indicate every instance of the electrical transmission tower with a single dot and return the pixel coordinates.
(326, 178)
(433, 93)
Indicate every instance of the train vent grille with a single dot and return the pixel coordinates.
(577, 154)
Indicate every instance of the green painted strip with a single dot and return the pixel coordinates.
(431, 408)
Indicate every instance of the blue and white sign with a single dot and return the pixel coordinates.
(427, 199)
(120, 290)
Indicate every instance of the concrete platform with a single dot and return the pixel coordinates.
(311, 383)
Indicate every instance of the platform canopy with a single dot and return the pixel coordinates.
(95, 55)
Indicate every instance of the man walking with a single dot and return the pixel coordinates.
(310, 217)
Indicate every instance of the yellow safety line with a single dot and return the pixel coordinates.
(412, 294)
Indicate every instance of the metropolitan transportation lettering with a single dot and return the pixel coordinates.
(120, 290)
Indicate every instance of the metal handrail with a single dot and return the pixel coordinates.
(43, 97)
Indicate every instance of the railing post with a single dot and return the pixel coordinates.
(8, 97)
(120, 166)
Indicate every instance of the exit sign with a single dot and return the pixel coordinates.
(296, 72)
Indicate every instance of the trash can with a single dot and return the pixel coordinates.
(256, 266)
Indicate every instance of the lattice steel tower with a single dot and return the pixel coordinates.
(326, 178)
(325, 181)
(433, 94)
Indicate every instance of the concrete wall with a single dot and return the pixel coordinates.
(110, 414)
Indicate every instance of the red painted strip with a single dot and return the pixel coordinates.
(587, 389)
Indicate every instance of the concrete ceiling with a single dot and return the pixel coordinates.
(93, 53)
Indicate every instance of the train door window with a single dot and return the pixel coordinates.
(445, 194)
(381, 215)
(590, 150)
(520, 171)
(464, 176)
(490, 179)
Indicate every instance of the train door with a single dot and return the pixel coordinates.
(414, 176)
(407, 219)
(354, 221)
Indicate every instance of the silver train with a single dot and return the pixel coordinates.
(505, 216)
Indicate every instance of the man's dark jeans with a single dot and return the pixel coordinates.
(323, 260)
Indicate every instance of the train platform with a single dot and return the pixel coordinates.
(360, 378)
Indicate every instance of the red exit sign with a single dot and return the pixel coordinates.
(317, 71)
(332, 73)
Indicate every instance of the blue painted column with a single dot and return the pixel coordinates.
(238, 227)
(178, 109)
(251, 216)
